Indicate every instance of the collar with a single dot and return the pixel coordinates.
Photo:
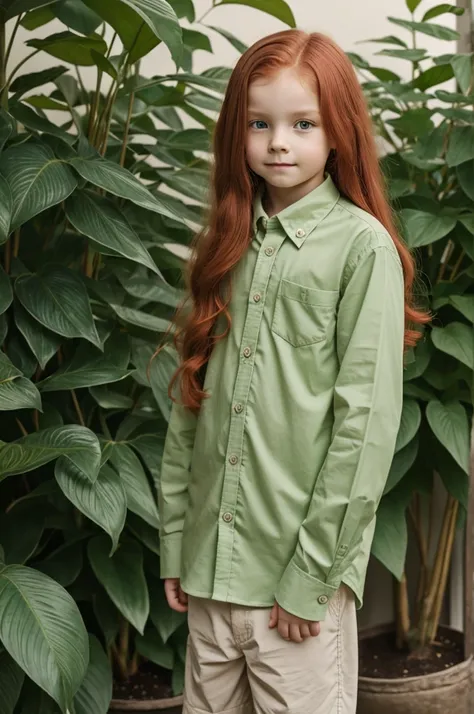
(300, 218)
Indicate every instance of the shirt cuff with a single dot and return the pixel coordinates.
(170, 555)
(302, 594)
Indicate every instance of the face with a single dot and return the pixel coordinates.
(286, 143)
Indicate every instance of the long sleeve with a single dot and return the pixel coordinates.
(367, 406)
(173, 488)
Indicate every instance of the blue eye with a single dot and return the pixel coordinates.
(305, 125)
(257, 124)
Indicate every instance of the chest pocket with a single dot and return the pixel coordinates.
(304, 316)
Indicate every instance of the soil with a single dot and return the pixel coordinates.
(150, 682)
(380, 659)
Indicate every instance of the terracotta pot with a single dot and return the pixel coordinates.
(173, 705)
(437, 693)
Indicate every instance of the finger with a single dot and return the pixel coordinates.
(171, 590)
(304, 630)
(295, 634)
(315, 629)
(273, 616)
(183, 597)
(283, 629)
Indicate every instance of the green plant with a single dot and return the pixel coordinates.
(429, 134)
(95, 212)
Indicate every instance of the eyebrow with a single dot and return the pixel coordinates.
(307, 110)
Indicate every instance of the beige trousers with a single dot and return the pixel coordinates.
(236, 665)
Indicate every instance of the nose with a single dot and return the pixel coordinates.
(278, 141)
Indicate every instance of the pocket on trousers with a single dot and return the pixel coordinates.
(302, 315)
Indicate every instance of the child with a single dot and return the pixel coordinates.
(291, 364)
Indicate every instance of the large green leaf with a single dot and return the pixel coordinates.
(234, 41)
(412, 4)
(7, 127)
(11, 682)
(37, 180)
(424, 228)
(103, 501)
(141, 318)
(390, 538)
(465, 172)
(42, 342)
(95, 692)
(123, 577)
(32, 80)
(463, 66)
(76, 443)
(70, 47)
(442, 9)
(128, 16)
(450, 425)
(27, 116)
(65, 563)
(145, 533)
(427, 28)
(402, 462)
(410, 422)
(455, 339)
(58, 299)
(16, 391)
(101, 219)
(26, 518)
(6, 207)
(107, 616)
(152, 647)
(17, 7)
(42, 629)
(87, 368)
(37, 18)
(433, 76)
(277, 8)
(140, 498)
(75, 15)
(120, 182)
(461, 145)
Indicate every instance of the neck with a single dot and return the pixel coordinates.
(278, 198)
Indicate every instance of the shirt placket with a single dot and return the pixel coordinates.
(269, 247)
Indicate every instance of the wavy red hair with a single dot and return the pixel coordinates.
(354, 167)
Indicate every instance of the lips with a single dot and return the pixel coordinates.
(281, 165)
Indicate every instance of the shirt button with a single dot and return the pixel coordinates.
(269, 250)
(300, 233)
(247, 352)
(257, 297)
(238, 408)
(322, 599)
(233, 459)
(227, 517)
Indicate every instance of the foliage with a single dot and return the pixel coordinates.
(428, 129)
(96, 209)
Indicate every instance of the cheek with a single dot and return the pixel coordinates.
(253, 148)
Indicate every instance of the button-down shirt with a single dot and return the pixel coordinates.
(271, 491)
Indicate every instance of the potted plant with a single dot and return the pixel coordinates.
(416, 665)
(95, 211)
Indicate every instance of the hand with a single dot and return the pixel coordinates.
(177, 599)
(291, 627)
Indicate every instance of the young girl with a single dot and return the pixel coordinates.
(290, 389)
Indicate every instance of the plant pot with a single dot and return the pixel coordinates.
(446, 691)
(173, 705)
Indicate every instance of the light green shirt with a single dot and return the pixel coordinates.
(271, 492)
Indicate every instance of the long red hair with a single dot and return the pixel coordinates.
(353, 165)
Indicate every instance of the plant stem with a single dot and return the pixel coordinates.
(426, 613)
(8, 256)
(16, 243)
(124, 638)
(438, 603)
(3, 67)
(457, 265)
(104, 426)
(12, 38)
(127, 128)
(80, 416)
(403, 611)
(21, 427)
